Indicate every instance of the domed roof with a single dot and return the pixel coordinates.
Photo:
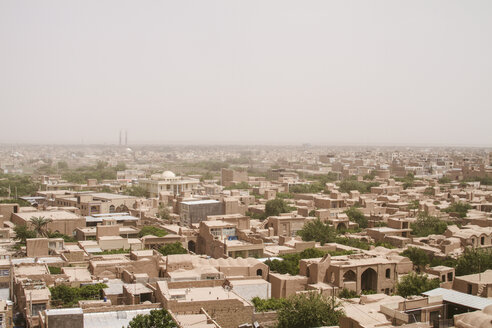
(168, 175)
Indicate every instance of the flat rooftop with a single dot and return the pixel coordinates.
(111, 319)
(204, 294)
(201, 202)
(54, 215)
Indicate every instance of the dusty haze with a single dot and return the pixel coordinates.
(269, 72)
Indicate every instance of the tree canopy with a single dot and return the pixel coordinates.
(17, 185)
(22, 233)
(363, 187)
(39, 224)
(276, 206)
(428, 225)
(271, 304)
(318, 231)
(290, 262)
(137, 191)
(474, 260)
(460, 208)
(356, 215)
(151, 230)
(415, 284)
(174, 248)
(418, 256)
(66, 296)
(155, 319)
(309, 310)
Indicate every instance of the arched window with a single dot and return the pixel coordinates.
(259, 272)
(388, 273)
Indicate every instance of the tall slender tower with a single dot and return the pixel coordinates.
(120, 137)
(126, 137)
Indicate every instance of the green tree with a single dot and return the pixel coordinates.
(276, 206)
(428, 225)
(174, 248)
(66, 296)
(309, 310)
(444, 180)
(415, 284)
(356, 215)
(240, 185)
(317, 231)
(290, 262)
(414, 205)
(460, 208)
(163, 212)
(22, 233)
(347, 293)
(20, 202)
(348, 185)
(155, 319)
(429, 191)
(137, 191)
(474, 260)
(264, 305)
(418, 256)
(66, 238)
(62, 165)
(17, 185)
(39, 224)
(150, 230)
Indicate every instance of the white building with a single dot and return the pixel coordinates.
(167, 182)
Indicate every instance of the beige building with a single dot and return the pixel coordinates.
(357, 272)
(90, 203)
(226, 307)
(230, 177)
(479, 284)
(217, 238)
(61, 221)
(287, 225)
(195, 211)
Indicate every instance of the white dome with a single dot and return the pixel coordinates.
(168, 175)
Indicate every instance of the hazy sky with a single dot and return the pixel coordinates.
(270, 72)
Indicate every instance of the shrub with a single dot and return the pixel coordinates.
(174, 248)
(272, 304)
(150, 230)
(347, 293)
(65, 296)
(54, 270)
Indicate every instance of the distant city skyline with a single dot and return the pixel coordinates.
(246, 72)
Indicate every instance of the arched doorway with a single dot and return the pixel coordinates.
(122, 209)
(349, 276)
(111, 209)
(341, 227)
(369, 280)
(191, 246)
